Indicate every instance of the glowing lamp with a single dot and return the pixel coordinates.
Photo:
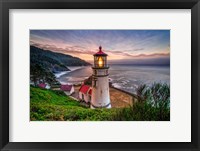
(100, 62)
(100, 59)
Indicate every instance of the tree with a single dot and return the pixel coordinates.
(50, 78)
(38, 73)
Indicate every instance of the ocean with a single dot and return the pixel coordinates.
(125, 77)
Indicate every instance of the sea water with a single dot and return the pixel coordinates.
(125, 77)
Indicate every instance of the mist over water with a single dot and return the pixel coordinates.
(125, 77)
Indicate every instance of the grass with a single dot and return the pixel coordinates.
(49, 105)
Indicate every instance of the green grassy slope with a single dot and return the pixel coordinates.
(49, 105)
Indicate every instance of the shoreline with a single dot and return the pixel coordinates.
(119, 77)
(71, 68)
(78, 84)
(58, 75)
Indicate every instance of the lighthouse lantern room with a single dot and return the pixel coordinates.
(100, 83)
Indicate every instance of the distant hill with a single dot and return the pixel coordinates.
(52, 61)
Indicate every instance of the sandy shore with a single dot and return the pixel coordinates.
(71, 68)
(119, 99)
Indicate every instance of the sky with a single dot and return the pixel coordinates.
(122, 46)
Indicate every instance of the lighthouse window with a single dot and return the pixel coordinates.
(104, 61)
(100, 62)
(94, 80)
(94, 83)
(96, 61)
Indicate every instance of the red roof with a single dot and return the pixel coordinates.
(100, 52)
(66, 87)
(90, 92)
(84, 88)
(42, 85)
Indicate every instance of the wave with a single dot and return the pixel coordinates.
(116, 85)
(71, 68)
(58, 75)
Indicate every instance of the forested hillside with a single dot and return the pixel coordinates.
(55, 62)
(44, 63)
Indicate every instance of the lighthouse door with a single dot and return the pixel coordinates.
(83, 97)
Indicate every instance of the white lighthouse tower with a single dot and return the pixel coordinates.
(100, 83)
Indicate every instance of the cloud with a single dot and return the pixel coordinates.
(153, 55)
(149, 61)
(78, 50)
(142, 55)
(116, 52)
(118, 44)
(138, 49)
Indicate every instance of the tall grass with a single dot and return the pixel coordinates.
(153, 104)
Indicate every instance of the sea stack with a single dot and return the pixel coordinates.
(100, 82)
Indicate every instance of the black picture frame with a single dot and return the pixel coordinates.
(5, 5)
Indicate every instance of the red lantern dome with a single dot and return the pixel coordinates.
(100, 52)
(100, 59)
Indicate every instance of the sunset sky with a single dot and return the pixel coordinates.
(122, 46)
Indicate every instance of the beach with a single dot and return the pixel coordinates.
(62, 74)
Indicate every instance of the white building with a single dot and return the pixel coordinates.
(100, 83)
(44, 85)
(68, 89)
(85, 92)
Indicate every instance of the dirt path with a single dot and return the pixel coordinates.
(118, 98)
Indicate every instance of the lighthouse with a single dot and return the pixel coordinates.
(100, 84)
